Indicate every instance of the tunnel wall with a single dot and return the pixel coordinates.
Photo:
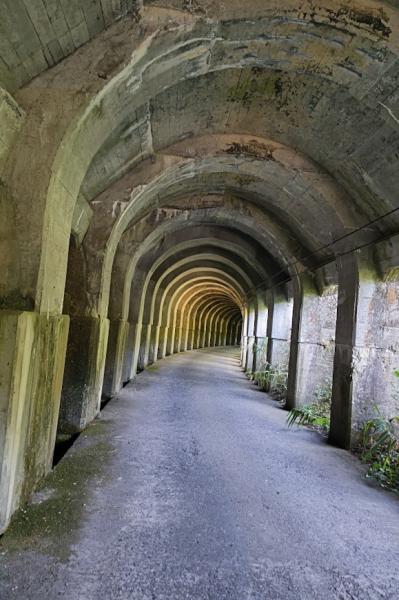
(197, 169)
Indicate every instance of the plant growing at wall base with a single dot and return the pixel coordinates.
(260, 349)
(272, 379)
(380, 449)
(250, 374)
(316, 414)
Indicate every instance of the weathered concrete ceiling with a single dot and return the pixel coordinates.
(37, 34)
(285, 115)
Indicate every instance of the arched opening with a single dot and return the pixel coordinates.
(226, 177)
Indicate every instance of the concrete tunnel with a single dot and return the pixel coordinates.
(183, 175)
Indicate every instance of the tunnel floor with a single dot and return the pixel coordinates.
(190, 486)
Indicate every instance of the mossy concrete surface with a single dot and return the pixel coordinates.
(49, 523)
(84, 372)
(32, 349)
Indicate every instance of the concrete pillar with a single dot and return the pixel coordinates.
(143, 348)
(211, 335)
(238, 333)
(179, 331)
(148, 341)
(313, 344)
(136, 330)
(201, 339)
(153, 344)
(249, 355)
(196, 336)
(84, 373)
(114, 362)
(163, 333)
(244, 339)
(163, 352)
(189, 339)
(224, 333)
(222, 336)
(170, 339)
(260, 355)
(176, 339)
(231, 337)
(279, 330)
(261, 341)
(183, 339)
(366, 349)
(128, 359)
(32, 353)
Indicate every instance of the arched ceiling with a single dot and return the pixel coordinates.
(262, 137)
(37, 35)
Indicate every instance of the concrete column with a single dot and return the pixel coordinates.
(178, 331)
(163, 332)
(128, 359)
(176, 339)
(249, 355)
(244, 339)
(224, 334)
(153, 344)
(314, 344)
(196, 336)
(216, 332)
(279, 331)
(189, 339)
(136, 331)
(144, 346)
(341, 409)
(147, 351)
(32, 349)
(222, 330)
(260, 356)
(170, 340)
(114, 362)
(84, 373)
(164, 346)
(366, 349)
(209, 336)
(238, 333)
(261, 341)
(201, 339)
(183, 340)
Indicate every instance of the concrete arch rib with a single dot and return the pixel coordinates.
(246, 226)
(187, 278)
(189, 50)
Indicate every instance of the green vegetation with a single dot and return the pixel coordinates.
(380, 450)
(316, 414)
(379, 444)
(278, 379)
(260, 349)
(271, 379)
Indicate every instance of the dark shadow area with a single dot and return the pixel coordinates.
(62, 445)
(104, 401)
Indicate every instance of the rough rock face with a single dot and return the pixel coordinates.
(194, 173)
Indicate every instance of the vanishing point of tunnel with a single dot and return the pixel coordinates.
(199, 299)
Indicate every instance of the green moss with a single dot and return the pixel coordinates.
(50, 522)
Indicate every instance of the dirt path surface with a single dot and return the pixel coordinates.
(190, 486)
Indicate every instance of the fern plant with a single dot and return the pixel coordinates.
(380, 449)
(316, 415)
